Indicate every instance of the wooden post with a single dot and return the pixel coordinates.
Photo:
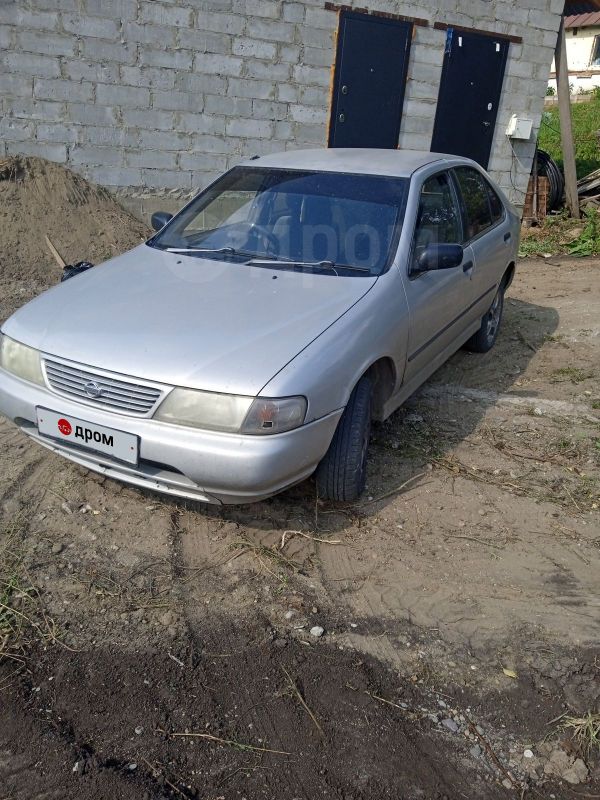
(534, 211)
(566, 128)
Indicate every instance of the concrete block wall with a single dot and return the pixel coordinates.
(156, 97)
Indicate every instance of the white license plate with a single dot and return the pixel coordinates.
(78, 432)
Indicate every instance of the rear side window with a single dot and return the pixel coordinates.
(496, 206)
(475, 193)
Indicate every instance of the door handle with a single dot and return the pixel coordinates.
(467, 266)
(507, 237)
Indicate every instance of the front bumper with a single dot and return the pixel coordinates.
(186, 462)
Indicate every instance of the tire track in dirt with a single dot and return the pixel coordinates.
(195, 554)
(472, 584)
(200, 550)
(22, 460)
(246, 709)
(22, 481)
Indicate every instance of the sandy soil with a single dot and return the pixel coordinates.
(459, 598)
(84, 223)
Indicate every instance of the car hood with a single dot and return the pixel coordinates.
(186, 321)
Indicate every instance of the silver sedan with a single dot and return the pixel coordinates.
(254, 338)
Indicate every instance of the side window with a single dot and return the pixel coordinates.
(476, 202)
(438, 217)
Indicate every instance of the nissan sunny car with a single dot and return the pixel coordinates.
(254, 338)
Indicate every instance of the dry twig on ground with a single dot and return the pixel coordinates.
(229, 742)
(298, 694)
(245, 545)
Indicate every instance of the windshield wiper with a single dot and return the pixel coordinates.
(229, 251)
(265, 261)
(281, 262)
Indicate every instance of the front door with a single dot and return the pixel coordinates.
(439, 301)
(469, 95)
(370, 75)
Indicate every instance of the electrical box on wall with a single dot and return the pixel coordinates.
(519, 127)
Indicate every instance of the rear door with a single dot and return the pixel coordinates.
(486, 231)
(370, 76)
(438, 300)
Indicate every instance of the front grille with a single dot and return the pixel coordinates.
(113, 393)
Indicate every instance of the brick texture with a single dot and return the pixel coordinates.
(151, 95)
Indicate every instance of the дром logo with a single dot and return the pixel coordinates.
(64, 426)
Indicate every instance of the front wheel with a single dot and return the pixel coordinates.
(485, 338)
(342, 473)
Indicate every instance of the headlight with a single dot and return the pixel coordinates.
(209, 410)
(231, 413)
(22, 361)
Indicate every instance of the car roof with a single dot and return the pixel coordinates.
(397, 163)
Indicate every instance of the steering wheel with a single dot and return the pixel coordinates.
(269, 239)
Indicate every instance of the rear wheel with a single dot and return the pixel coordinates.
(486, 336)
(342, 473)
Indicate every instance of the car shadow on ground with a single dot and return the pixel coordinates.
(403, 446)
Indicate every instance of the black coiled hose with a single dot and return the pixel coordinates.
(548, 168)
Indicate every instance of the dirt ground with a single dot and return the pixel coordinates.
(38, 199)
(155, 649)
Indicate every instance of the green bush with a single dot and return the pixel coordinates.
(588, 243)
(586, 122)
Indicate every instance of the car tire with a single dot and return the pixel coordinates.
(342, 473)
(485, 338)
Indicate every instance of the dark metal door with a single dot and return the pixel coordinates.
(469, 95)
(370, 75)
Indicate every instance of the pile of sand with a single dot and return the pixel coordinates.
(84, 222)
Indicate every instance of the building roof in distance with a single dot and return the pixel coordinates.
(583, 20)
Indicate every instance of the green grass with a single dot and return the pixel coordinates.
(548, 238)
(557, 234)
(588, 242)
(586, 121)
(585, 731)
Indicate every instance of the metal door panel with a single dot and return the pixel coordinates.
(491, 254)
(492, 248)
(441, 308)
(469, 95)
(370, 76)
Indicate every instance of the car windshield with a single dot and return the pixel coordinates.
(277, 217)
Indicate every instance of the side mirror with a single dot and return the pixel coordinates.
(440, 256)
(159, 219)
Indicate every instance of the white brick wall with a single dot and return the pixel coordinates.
(144, 95)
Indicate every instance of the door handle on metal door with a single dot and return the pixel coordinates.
(507, 237)
(467, 266)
